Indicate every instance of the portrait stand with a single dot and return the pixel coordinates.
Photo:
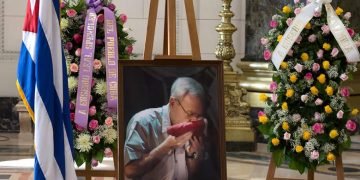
(310, 174)
(169, 46)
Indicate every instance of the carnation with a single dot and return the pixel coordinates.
(110, 135)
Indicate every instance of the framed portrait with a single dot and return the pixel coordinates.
(171, 120)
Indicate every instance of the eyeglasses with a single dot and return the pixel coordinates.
(189, 114)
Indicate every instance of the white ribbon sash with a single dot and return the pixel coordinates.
(337, 28)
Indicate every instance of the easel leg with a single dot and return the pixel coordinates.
(194, 39)
(150, 35)
(339, 168)
(271, 169)
(310, 175)
(116, 167)
(88, 168)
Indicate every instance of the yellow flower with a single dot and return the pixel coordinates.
(328, 109)
(321, 78)
(339, 11)
(306, 135)
(326, 46)
(290, 93)
(305, 56)
(284, 65)
(330, 156)
(329, 90)
(285, 126)
(284, 106)
(263, 119)
(355, 112)
(308, 26)
(275, 141)
(263, 97)
(279, 38)
(333, 134)
(326, 65)
(286, 10)
(293, 78)
(314, 90)
(299, 149)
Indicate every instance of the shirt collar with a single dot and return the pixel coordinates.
(165, 117)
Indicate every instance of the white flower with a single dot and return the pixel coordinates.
(100, 88)
(314, 155)
(287, 136)
(304, 98)
(299, 68)
(72, 83)
(340, 114)
(296, 117)
(83, 143)
(328, 147)
(109, 135)
(296, 1)
(347, 15)
(344, 77)
(318, 101)
(264, 41)
(334, 52)
(64, 23)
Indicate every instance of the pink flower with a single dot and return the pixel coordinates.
(94, 163)
(81, 28)
(77, 38)
(345, 92)
(79, 128)
(299, 68)
(318, 128)
(312, 38)
(92, 110)
(344, 77)
(273, 24)
(100, 18)
(274, 98)
(93, 124)
(296, 1)
(96, 139)
(296, 117)
(108, 152)
(340, 114)
(314, 155)
(325, 29)
(71, 13)
(297, 11)
(316, 67)
(99, 42)
(68, 46)
(334, 52)
(290, 53)
(62, 5)
(351, 32)
(93, 82)
(74, 67)
(351, 125)
(317, 116)
(289, 21)
(129, 49)
(72, 117)
(304, 98)
(264, 41)
(317, 13)
(109, 121)
(78, 52)
(97, 64)
(287, 136)
(347, 15)
(320, 53)
(261, 113)
(319, 101)
(72, 106)
(111, 6)
(357, 43)
(308, 76)
(273, 86)
(298, 40)
(267, 54)
(123, 18)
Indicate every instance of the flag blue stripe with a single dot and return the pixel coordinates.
(38, 174)
(26, 74)
(57, 7)
(47, 92)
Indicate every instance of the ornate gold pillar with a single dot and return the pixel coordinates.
(237, 121)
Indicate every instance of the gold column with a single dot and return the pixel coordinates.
(237, 120)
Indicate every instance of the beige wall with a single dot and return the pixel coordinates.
(206, 12)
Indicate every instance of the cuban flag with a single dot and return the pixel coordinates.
(42, 85)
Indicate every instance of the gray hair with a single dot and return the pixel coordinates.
(185, 85)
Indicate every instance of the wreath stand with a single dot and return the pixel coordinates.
(310, 175)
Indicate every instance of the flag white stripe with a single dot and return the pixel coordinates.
(69, 162)
(29, 40)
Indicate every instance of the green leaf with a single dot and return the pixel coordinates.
(99, 156)
(264, 129)
(297, 165)
(79, 158)
(278, 156)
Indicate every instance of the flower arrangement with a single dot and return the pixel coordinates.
(99, 139)
(306, 119)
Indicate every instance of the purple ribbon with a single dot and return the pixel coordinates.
(111, 55)
(96, 4)
(86, 66)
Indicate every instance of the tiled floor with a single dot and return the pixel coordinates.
(16, 152)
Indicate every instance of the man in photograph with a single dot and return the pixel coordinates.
(151, 153)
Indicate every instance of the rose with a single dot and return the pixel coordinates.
(97, 64)
(297, 11)
(320, 53)
(347, 15)
(77, 38)
(273, 24)
(123, 18)
(71, 106)
(296, 1)
(298, 40)
(108, 152)
(92, 110)
(94, 163)
(78, 52)
(312, 38)
(316, 67)
(62, 5)
(334, 52)
(100, 18)
(345, 92)
(261, 113)
(109, 121)
(325, 29)
(74, 67)
(290, 53)
(81, 28)
(99, 42)
(289, 21)
(317, 13)
(318, 128)
(319, 102)
(93, 124)
(304, 98)
(71, 13)
(287, 136)
(340, 114)
(129, 49)
(351, 125)
(299, 68)
(267, 54)
(274, 98)
(72, 117)
(111, 6)
(351, 32)
(317, 116)
(296, 117)
(273, 86)
(314, 155)
(344, 77)
(68, 46)
(308, 76)
(264, 41)
(96, 139)
(79, 128)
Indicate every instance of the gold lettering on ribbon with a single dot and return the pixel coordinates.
(109, 26)
(113, 90)
(112, 73)
(91, 27)
(111, 50)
